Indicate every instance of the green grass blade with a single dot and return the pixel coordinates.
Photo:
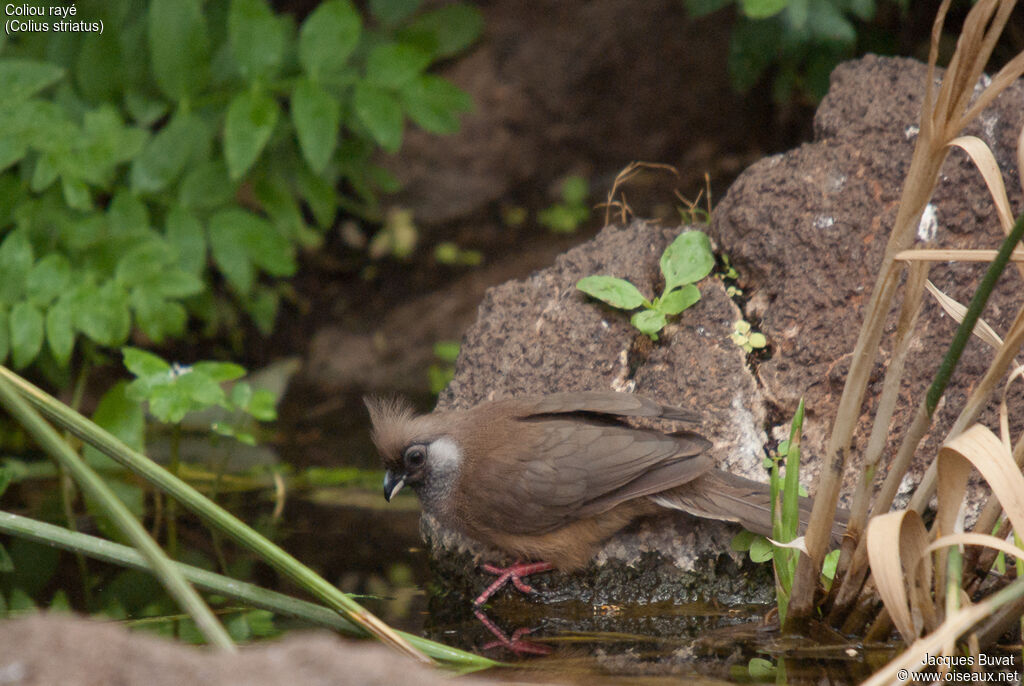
(94, 486)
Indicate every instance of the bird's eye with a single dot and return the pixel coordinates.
(415, 456)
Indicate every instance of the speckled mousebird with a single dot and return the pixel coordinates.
(549, 478)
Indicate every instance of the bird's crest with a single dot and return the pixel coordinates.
(390, 418)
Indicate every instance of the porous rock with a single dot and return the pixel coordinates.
(543, 335)
(807, 231)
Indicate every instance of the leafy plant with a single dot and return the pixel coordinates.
(567, 215)
(745, 338)
(803, 39)
(189, 143)
(172, 390)
(686, 260)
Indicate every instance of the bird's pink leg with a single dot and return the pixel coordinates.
(515, 643)
(513, 573)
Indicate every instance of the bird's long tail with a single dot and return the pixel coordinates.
(732, 498)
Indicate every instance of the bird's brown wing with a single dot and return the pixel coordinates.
(555, 471)
(601, 402)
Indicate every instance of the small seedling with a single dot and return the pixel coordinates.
(687, 260)
(451, 254)
(567, 216)
(397, 238)
(745, 338)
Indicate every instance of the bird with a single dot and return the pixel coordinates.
(548, 478)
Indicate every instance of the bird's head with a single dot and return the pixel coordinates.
(417, 451)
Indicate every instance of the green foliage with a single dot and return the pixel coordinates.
(686, 260)
(567, 215)
(803, 40)
(171, 391)
(784, 546)
(191, 141)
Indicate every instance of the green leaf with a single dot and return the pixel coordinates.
(379, 111)
(26, 332)
(206, 187)
(220, 371)
(648, 322)
(433, 103)
(762, 9)
(76, 194)
(157, 317)
(166, 154)
(60, 331)
(796, 14)
(826, 22)
(614, 291)
(321, 196)
(392, 65)
(45, 173)
(761, 669)
(102, 313)
(687, 260)
(742, 541)
(761, 549)
(328, 37)
(317, 117)
(257, 38)
(120, 415)
(276, 197)
(142, 262)
(391, 12)
(127, 215)
(451, 28)
(186, 234)
(575, 190)
(240, 240)
(12, 150)
(250, 121)
(261, 306)
(679, 299)
(143, 363)
(20, 79)
(16, 257)
(48, 279)
(179, 47)
(5, 336)
(863, 9)
(753, 47)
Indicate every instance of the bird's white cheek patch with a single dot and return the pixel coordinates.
(445, 455)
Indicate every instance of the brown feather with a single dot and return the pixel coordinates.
(551, 477)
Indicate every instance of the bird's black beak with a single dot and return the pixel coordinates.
(392, 484)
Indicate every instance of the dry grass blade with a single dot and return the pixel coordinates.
(911, 308)
(631, 170)
(954, 255)
(986, 163)
(912, 658)
(896, 541)
(942, 119)
(957, 311)
(981, 449)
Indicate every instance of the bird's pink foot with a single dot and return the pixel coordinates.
(514, 643)
(513, 573)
